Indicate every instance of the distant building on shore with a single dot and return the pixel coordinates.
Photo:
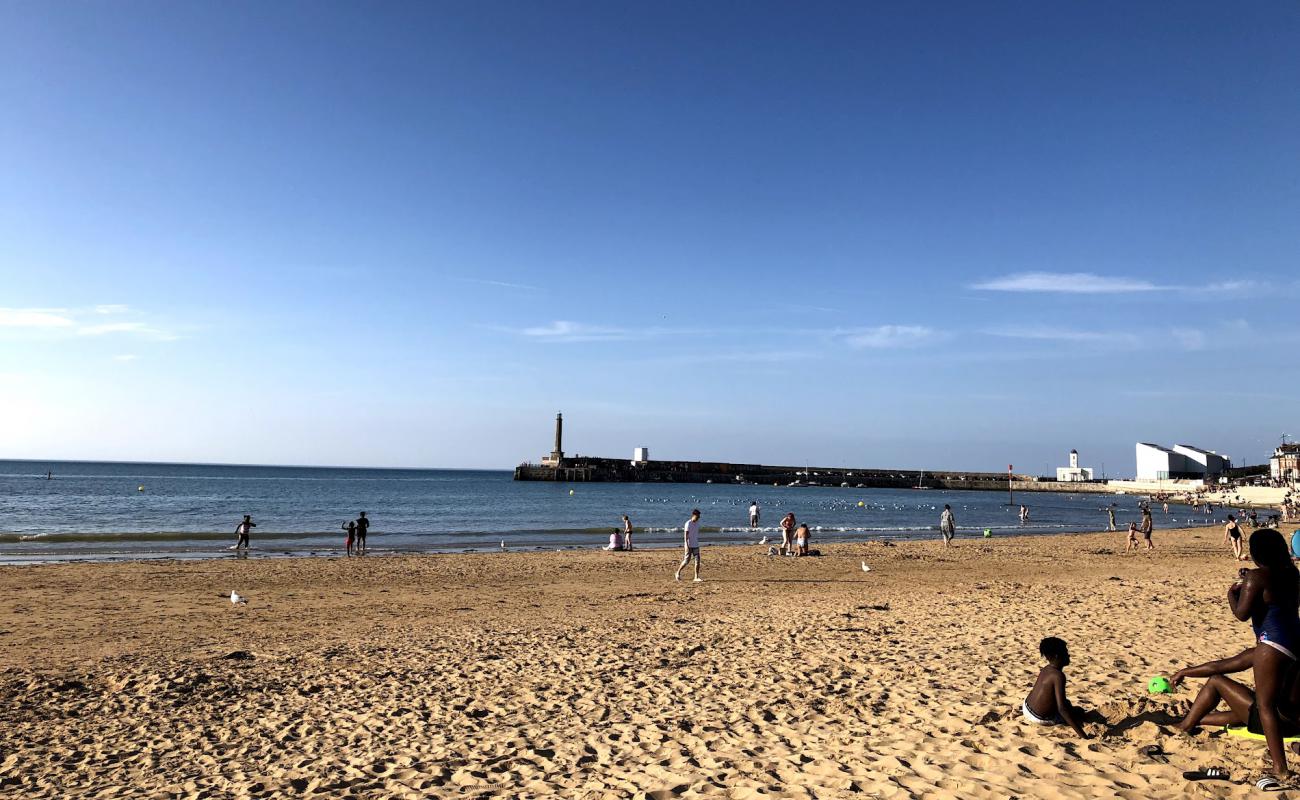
(1183, 462)
(1285, 463)
(1073, 473)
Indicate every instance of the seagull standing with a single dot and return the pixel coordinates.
(865, 568)
(236, 599)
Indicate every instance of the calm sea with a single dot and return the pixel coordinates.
(126, 510)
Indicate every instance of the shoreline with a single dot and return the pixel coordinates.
(15, 557)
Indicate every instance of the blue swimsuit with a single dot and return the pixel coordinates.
(1279, 628)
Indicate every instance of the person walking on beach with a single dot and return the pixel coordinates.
(363, 525)
(242, 530)
(753, 515)
(1110, 513)
(627, 533)
(947, 524)
(691, 544)
(1146, 526)
(787, 531)
(351, 528)
(1132, 536)
(1232, 535)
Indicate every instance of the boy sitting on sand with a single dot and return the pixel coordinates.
(1046, 703)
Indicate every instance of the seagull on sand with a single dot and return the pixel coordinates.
(865, 568)
(236, 599)
(503, 544)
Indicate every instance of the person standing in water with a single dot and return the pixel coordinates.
(242, 530)
(1110, 513)
(691, 544)
(1024, 514)
(947, 524)
(351, 528)
(753, 515)
(363, 525)
(627, 533)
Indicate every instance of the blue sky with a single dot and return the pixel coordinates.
(930, 234)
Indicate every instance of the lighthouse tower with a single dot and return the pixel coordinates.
(557, 455)
(1074, 459)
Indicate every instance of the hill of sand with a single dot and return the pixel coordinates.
(596, 675)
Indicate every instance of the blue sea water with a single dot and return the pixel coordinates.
(137, 510)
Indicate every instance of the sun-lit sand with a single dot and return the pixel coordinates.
(595, 675)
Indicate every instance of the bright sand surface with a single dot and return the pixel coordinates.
(589, 674)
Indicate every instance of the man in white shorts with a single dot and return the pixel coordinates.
(691, 543)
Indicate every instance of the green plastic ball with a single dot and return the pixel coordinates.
(1158, 685)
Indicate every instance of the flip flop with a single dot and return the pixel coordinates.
(1269, 784)
(1207, 774)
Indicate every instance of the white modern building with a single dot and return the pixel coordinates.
(640, 455)
(1074, 472)
(1206, 462)
(1156, 463)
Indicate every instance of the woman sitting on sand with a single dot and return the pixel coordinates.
(1268, 596)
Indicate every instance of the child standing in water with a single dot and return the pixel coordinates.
(1047, 703)
(351, 528)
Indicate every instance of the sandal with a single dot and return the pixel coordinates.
(1207, 774)
(1269, 784)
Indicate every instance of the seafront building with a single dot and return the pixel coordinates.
(1157, 463)
(1285, 463)
(1073, 473)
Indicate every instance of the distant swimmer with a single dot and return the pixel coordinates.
(242, 530)
(754, 513)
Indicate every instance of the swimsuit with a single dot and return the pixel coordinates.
(1289, 727)
(1034, 719)
(1279, 628)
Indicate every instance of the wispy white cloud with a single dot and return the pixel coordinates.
(889, 336)
(1055, 334)
(131, 328)
(566, 331)
(111, 308)
(35, 318)
(1067, 283)
(748, 357)
(501, 284)
(1189, 338)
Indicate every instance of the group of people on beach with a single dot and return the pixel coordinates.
(1267, 596)
(356, 530)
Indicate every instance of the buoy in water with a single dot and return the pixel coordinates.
(140, 488)
(570, 491)
(860, 504)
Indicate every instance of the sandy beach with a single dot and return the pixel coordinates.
(590, 674)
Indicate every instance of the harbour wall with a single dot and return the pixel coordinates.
(612, 470)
